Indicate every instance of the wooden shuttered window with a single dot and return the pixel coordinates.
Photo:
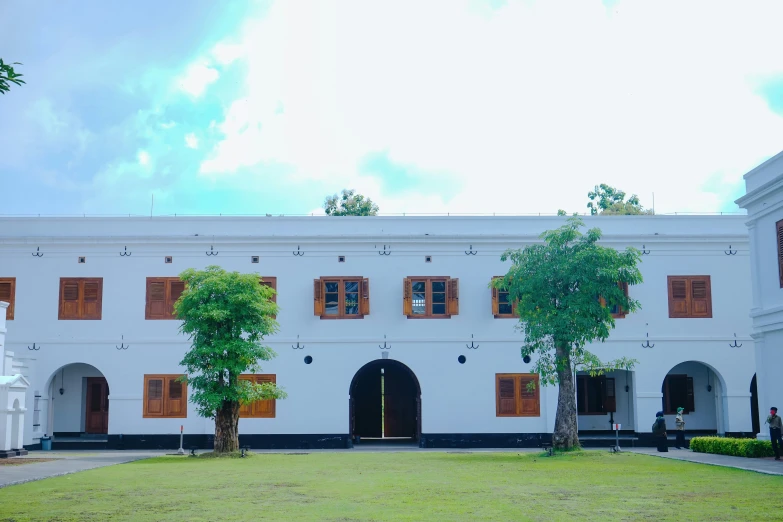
(779, 235)
(162, 293)
(513, 398)
(618, 312)
(8, 295)
(271, 282)
(81, 298)
(677, 392)
(165, 396)
(341, 297)
(502, 308)
(430, 297)
(258, 409)
(690, 297)
(595, 395)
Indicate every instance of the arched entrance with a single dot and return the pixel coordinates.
(79, 401)
(385, 402)
(754, 406)
(699, 389)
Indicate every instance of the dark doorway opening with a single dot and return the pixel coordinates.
(754, 406)
(97, 415)
(385, 403)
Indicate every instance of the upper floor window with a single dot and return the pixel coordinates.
(618, 312)
(595, 395)
(271, 282)
(8, 294)
(162, 293)
(690, 296)
(81, 298)
(513, 396)
(430, 297)
(779, 234)
(258, 409)
(341, 297)
(502, 307)
(165, 396)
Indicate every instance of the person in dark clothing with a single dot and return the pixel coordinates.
(659, 431)
(775, 427)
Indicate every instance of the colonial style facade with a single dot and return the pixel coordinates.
(388, 329)
(764, 203)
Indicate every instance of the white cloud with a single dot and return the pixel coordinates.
(197, 78)
(144, 158)
(526, 107)
(191, 141)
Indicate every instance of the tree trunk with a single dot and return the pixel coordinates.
(227, 428)
(565, 435)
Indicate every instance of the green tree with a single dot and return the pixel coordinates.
(609, 201)
(9, 76)
(226, 315)
(350, 204)
(559, 287)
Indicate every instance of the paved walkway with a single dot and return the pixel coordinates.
(767, 465)
(67, 462)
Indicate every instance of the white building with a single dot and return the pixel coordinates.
(764, 203)
(90, 300)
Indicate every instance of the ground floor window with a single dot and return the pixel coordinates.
(678, 393)
(595, 395)
(258, 409)
(165, 396)
(517, 395)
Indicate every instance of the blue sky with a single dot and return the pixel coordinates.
(439, 106)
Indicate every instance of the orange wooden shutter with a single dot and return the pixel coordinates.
(91, 306)
(701, 301)
(156, 298)
(176, 287)
(529, 403)
(265, 408)
(407, 302)
(365, 307)
(779, 233)
(506, 398)
(610, 399)
(495, 298)
(453, 297)
(69, 299)
(245, 408)
(7, 294)
(678, 297)
(176, 397)
(318, 297)
(153, 397)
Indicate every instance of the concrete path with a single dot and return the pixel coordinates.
(67, 462)
(768, 466)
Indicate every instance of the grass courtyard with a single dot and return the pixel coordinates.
(401, 486)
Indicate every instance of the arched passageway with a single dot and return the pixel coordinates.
(79, 401)
(385, 402)
(700, 390)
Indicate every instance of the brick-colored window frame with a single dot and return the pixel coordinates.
(420, 291)
(264, 409)
(8, 294)
(165, 397)
(690, 297)
(162, 293)
(81, 298)
(501, 308)
(512, 397)
(333, 289)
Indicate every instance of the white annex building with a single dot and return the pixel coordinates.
(388, 328)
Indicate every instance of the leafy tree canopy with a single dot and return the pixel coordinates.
(564, 290)
(609, 201)
(226, 315)
(350, 204)
(9, 76)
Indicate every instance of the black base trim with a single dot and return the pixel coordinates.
(485, 440)
(255, 441)
(7, 454)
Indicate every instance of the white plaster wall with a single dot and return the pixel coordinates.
(455, 398)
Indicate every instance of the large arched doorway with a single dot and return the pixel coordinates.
(754, 406)
(385, 403)
(79, 402)
(699, 390)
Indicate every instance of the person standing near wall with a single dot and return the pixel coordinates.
(680, 424)
(775, 427)
(659, 431)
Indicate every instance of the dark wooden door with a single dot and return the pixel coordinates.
(367, 400)
(399, 403)
(97, 418)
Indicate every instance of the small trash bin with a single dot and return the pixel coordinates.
(46, 443)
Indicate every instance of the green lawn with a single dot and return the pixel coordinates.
(401, 486)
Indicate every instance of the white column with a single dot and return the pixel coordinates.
(5, 428)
